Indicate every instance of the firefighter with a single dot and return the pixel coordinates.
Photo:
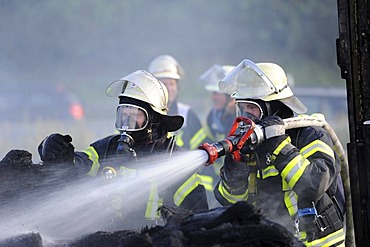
(292, 175)
(218, 122)
(222, 113)
(143, 125)
(168, 70)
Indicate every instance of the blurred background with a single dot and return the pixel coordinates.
(58, 57)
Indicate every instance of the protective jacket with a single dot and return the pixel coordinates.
(192, 134)
(302, 190)
(219, 123)
(102, 155)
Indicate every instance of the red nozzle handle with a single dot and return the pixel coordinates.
(247, 134)
(216, 150)
(245, 137)
(212, 152)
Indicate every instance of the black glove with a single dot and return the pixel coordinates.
(56, 148)
(274, 135)
(234, 175)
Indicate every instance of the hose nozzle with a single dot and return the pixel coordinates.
(232, 143)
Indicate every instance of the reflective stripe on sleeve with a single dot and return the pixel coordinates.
(294, 170)
(317, 146)
(269, 171)
(290, 200)
(281, 146)
(94, 157)
(230, 197)
(186, 188)
(197, 139)
(207, 181)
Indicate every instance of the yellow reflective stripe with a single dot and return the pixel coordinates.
(127, 172)
(116, 205)
(317, 146)
(282, 145)
(207, 181)
(186, 188)
(294, 170)
(94, 157)
(290, 199)
(269, 171)
(229, 197)
(252, 183)
(285, 186)
(197, 139)
(329, 240)
(178, 137)
(154, 202)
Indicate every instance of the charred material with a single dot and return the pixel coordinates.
(30, 239)
(237, 225)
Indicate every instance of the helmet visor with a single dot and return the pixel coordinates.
(247, 80)
(249, 109)
(131, 118)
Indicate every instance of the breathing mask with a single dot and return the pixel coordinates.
(131, 118)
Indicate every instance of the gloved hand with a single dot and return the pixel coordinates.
(274, 135)
(234, 174)
(56, 148)
(272, 126)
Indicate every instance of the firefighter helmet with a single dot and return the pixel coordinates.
(265, 81)
(142, 85)
(213, 75)
(165, 66)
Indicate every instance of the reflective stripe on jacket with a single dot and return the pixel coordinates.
(301, 179)
(100, 155)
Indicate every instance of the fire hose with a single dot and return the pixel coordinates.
(254, 134)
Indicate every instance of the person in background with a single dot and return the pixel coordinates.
(222, 114)
(292, 175)
(218, 122)
(143, 125)
(169, 72)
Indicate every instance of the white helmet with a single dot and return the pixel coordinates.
(265, 81)
(165, 66)
(143, 86)
(213, 75)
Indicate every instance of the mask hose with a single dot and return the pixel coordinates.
(125, 144)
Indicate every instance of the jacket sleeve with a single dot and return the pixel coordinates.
(191, 194)
(309, 167)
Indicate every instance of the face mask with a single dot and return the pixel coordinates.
(249, 109)
(131, 118)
